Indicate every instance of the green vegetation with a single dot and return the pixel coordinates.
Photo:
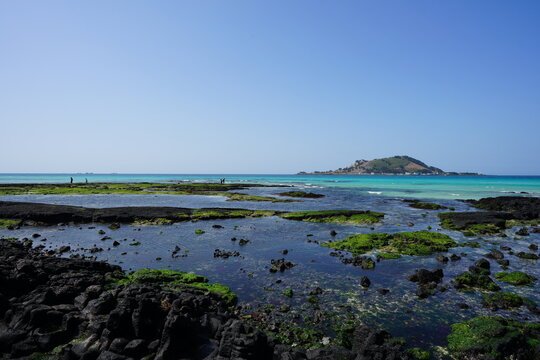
(301, 194)
(389, 256)
(288, 293)
(404, 243)
(138, 189)
(504, 300)
(487, 335)
(516, 222)
(246, 197)
(114, 226)
(426, 205)
(11, 239)
(4, 223)
(469, 228)
(517, 278)
(470, 281)
(335, 216)
(482, 229)
(199, 231)
(176, 280)
(420, 354)
(205, 214)
(156, 221)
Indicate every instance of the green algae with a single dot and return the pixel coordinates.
(419, 353)
(470, 281)
(11, 239)
(517, 278)
(491, 335)
(427, 206)
(301, 194)
(247, 197)
(447, 222)
(404, 243)
(156, 221)
(504, 300)
(205, 214)
(176, 280)
(389, 256)
(288, 293)
(114, 226)
(138, 189)
(6, 223)
(335, 216)
(516, 222)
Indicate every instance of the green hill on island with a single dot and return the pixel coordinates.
(395, 165)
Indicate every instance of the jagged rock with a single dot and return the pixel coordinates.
(365, 282)
(424, 276)
(442, 259)
(281, 265)
(495, 254)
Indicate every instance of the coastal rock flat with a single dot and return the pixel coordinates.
(54, 214)
(58, 308)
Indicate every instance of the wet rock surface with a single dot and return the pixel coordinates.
(53, 214)
(499, 211)
(74, 309)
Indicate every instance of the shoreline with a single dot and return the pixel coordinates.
(519, 209)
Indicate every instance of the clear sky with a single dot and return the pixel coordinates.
(268, 86)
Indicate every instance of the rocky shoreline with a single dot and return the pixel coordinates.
(58, 308)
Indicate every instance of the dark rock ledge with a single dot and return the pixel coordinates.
(58, 308)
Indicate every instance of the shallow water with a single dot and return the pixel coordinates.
(421, 322)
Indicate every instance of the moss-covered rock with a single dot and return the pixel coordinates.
(527, 256)
(140, 189)
(9, 224)
(301, 194)
(404, 243)
(493, 337)
(474, 223)
(425, 205)
(288, 293)
(177, 280)
(504, 300)
(517, 278)
(472, 280)
(336, 216)
(388, 256)
(419, 353)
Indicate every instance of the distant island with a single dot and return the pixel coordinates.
(395, 165)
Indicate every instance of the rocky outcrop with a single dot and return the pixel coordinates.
(48, 214)
(502, 212)
(75, 309)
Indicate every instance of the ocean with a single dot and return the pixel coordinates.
(423, 187)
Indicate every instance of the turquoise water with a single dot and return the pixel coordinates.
(434, 187)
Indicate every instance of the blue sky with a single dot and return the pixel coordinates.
(268, 86)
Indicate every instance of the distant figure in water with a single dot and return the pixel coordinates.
(222, 181)
(86, 180)
(71, 180)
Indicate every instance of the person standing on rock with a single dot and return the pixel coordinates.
(71, 180)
